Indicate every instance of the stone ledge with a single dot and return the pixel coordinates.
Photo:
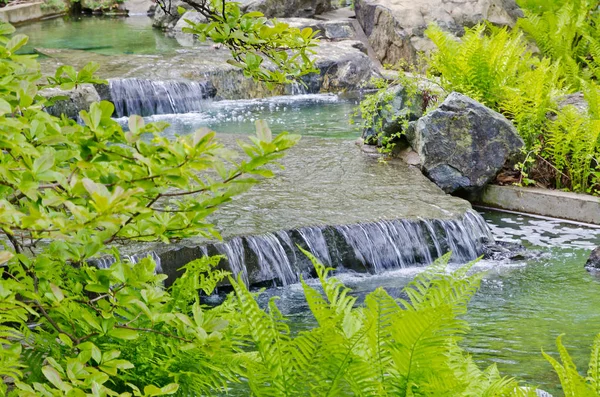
(21, 12)
(552, 203)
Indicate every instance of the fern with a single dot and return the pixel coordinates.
(563, 35)
(573, 384)
(479, 65)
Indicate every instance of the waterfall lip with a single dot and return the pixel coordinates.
(147, 97)
(368, 247)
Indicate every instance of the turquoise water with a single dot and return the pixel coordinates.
(522, 307)
(102, 35)
(327, 116)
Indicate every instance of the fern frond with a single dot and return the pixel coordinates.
(573, 384)
(593, 374)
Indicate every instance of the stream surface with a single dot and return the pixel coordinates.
(101, 35)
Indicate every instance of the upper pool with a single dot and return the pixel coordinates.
(103, 35)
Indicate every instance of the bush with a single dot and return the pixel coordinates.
(68, 191)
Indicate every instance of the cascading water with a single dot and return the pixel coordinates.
(148, 97)
(106, 261)
(368, 247)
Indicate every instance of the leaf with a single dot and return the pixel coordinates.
(5, 256)
(5, 107)
(123, 333)
(6, 28)
(263, 132)
(136, 123)
(16, 42)
(57, 292)
(171, 388)
(54, 377)
(43, 163)
(65, 339)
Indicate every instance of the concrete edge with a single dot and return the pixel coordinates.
(550, 203)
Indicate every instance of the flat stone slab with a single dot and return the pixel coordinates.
(553, 203)
(21, 12)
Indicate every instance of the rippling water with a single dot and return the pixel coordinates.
(322, 115)
(522, 307)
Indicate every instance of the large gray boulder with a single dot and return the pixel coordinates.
(342, 65)
(287, 8)
(463, 144)
(396, 28)
(77, 99)
(167, 20)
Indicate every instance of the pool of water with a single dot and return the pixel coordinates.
(102, 35)
(327, 116)
(521, 308)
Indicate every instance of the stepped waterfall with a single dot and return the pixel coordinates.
(376, 247)
(149, 97)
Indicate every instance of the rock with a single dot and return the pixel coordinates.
(396, 28)
(193, 16)
(138, 7)
(593, 262)
(399, 106)
(186, 39)
(287, 8)
(167, 20)
(577, 100)
(463, 144)
(78, 99)
(507, 251)
(329, 30)
(343, 66)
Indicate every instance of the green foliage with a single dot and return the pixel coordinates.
(568, 36)
(480, 66)
(378, 113)
(496, 67)
(68, 191)
(573, 384)
(268, 50)
(540, 6)
(52, 6)
(386, 347)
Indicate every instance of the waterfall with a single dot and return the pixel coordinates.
(368, 247)
(106, 261)
(375, 247)
(148, 97)
(236, 257)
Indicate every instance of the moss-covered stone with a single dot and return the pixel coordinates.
(463, 144)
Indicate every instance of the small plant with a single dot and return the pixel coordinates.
(386, 114)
